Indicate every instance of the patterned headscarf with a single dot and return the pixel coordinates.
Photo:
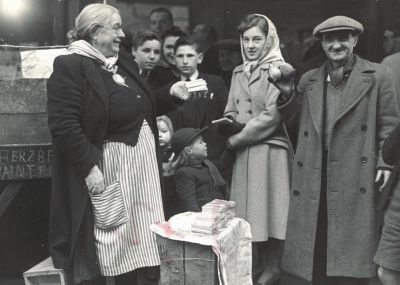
(271, 52)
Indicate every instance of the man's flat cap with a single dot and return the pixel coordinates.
(338, 23)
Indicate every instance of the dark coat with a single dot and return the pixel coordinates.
(368, 112)
(388, 253)
(77, 117)
(194, 184)
(200, 112)
(161, 76)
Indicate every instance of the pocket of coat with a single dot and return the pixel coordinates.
(108, 207)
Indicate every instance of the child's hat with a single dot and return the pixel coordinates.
(184, 137)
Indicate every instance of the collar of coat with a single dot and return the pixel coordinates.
(359, 82)
(255, 75)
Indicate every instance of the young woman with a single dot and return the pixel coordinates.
(260, 181)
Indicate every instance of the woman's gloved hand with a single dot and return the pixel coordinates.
(95, 181)
(283, 77)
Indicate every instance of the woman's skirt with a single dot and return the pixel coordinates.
(134, 172)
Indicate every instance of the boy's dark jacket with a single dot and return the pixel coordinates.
(195, 186)
(200, 112)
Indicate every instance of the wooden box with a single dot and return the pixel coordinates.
(184, 263)
(44, 273)
(25, 142)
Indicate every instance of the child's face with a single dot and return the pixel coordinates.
(164, 135)
(198, 150)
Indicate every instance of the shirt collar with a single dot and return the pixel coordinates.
(193, 77)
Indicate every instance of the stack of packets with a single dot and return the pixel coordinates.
(210, 221)
(196, 85)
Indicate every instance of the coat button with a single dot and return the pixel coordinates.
(363, 190)
(138, 96)
(296, 193)
(364, 128)
(249, 111)
(305, 134)
(364, 159)
(237, 101)
(249, 100)
(299, 164)
(237, 112)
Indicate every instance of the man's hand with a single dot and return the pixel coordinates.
(95, 181)
(383, 175)
(283, 78)
(179, 90)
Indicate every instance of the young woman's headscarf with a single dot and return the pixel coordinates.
(270, 53)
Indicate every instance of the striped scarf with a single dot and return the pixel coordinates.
(83, 48)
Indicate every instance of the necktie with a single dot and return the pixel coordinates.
(144, 74)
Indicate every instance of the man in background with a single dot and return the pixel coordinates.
(160, 20)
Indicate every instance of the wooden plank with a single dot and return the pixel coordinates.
(200, 265)
(24, 129)
(23, 96)
(172, 271)
(8, 196)
(25, 161)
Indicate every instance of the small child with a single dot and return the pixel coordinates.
(198, 180)
(165, 131)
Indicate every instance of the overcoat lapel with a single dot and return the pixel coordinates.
(358, 83)
(93, 76)
(255, 75)
(314, 88)
(243, 81)
(139, 80)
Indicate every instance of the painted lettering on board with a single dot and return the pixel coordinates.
(25, 162)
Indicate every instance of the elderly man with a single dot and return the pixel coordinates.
(337, 119)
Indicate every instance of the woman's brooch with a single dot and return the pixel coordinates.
(118, 78)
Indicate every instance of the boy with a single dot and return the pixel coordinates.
(146, 48)
(198, 113)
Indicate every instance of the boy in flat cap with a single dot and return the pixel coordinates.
(337, 118)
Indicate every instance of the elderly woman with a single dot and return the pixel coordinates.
(146, 48)
(106, 180)
(260, 181)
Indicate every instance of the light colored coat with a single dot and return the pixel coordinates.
(367, 113)
(260, 180)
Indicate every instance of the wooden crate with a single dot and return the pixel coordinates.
(44, 273)
(184, 263)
